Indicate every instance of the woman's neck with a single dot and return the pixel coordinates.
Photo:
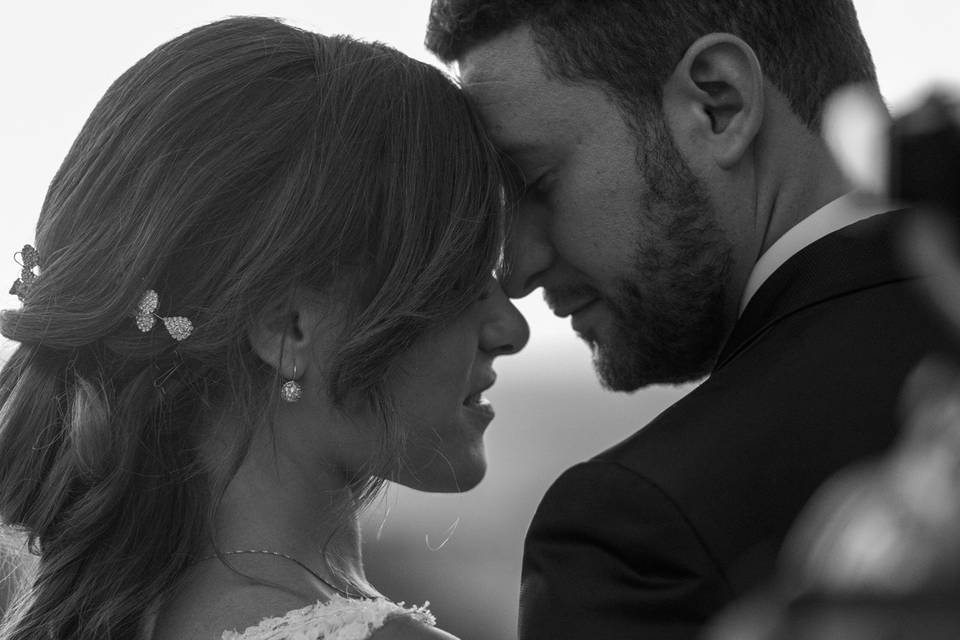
(284, 504)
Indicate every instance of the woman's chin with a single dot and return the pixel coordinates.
(446, 478)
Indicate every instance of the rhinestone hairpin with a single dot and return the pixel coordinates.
(29, 259)
(179, 327)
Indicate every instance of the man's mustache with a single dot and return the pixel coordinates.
(557, 296)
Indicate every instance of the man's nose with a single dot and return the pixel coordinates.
(528, 252)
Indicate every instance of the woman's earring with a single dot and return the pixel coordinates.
(291, 391)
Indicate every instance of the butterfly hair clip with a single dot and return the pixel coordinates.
(28, 259)
(179, 327)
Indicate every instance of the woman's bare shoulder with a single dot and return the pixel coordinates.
(207, 605)
(404, 628)
(235, 611)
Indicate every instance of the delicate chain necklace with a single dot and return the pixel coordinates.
(237, 552)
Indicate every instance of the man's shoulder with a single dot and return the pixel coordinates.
(696, 468)
(677, 457)
(683, 432)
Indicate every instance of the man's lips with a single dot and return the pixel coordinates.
(565, 308)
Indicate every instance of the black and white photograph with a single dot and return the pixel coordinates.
(480, 320)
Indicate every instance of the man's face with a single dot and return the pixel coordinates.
(613, 225)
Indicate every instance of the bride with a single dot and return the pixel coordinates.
(261, 288)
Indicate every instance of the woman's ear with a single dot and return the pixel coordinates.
(714, 99)
(283, 334)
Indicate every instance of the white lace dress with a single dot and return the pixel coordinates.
(339, 619)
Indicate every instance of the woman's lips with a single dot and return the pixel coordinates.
(480, 406)
(476, 399)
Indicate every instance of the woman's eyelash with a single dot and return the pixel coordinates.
(534, 187)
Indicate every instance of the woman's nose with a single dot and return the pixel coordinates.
(505, 330)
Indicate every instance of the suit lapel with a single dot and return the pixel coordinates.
(857, 257)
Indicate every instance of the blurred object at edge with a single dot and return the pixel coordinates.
(924, 167)
(876, 552)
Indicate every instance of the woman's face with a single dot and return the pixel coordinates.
(437, 388)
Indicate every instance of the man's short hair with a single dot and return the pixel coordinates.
(806, 48)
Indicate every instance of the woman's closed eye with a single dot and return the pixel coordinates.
(488, 290)
(538, 187)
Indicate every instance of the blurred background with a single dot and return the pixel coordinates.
(461, 552)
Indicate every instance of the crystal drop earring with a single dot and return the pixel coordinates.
(291, 391)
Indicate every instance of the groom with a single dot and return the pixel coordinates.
(682, 209)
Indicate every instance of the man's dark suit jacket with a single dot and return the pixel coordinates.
(653, 537)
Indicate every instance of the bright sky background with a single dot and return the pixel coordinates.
(58, 57)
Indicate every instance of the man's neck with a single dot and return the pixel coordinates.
(808, 179)
(794, 175)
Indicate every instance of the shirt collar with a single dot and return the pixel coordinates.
(833, 216)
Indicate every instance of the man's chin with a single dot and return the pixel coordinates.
(617, 371)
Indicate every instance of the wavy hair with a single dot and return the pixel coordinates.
(227, 167)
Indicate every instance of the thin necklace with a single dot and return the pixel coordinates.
(237, 552)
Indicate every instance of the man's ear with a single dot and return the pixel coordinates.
(714, 99)
(283, 334)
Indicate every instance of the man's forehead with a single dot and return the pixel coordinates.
(522, 106)
(509, 58)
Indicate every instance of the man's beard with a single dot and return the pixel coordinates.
(670, 317)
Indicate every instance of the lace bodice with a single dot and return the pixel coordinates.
(339, 619)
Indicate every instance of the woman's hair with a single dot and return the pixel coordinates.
(228, 167)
